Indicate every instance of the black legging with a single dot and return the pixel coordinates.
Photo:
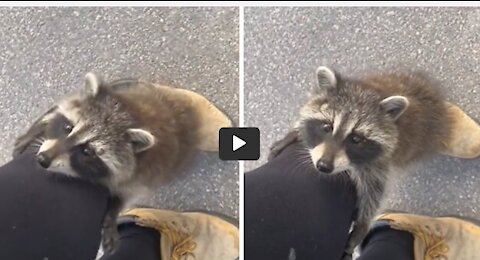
(287, 206)
(293, 211)
(48, 216)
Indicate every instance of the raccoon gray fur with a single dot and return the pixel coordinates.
(368, 127)
(126, 135)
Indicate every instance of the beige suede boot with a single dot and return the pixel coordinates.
(442, 238)
(210, 118)
(189, 235)
(464, 140)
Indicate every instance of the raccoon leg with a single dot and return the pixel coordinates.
(23, 142)
(370, 194)
(278, 146)
(109, 231)
(359, 231)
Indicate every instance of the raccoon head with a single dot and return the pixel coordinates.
(347, 125)
(92, 136)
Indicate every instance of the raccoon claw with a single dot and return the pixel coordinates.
(109, 241)
(274, 152)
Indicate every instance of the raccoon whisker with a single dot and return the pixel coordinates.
(40, 139)
(303, 160)
(324, 115)
(301, 164)
(303, 152)
(297, 166)
(37, 142)
(302, 156)
(305, 157)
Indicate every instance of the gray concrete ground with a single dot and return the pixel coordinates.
(284, 46)
(45, 53)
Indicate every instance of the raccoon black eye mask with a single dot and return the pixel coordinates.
(58, 127)
(361, 150)
(315, 131)
(358, 148)
(401, 128)
(88, 164)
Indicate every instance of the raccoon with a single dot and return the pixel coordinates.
(127, 136)
(367, 128)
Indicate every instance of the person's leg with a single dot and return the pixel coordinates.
(136, 243)
(47, 216)
(149, 233)
(410, 236)
(387, 243)
(293, 212)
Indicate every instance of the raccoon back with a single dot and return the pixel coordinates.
(425, 123)
(171, 120)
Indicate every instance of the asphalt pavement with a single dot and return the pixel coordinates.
(45, 53)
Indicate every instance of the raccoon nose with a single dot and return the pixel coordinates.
(43, 160)
(324, 166)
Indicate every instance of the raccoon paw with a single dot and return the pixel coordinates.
(110, 238)
(278, 146)
(347, 256)
(275, 150)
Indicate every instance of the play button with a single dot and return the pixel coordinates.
(239, 143)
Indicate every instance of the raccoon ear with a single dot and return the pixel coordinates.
(141, 139)
(326, 78)
(394, 106)
(92, 84)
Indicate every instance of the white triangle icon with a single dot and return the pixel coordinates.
(237, 143)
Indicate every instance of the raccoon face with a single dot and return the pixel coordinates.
(92, 137)
(348, 125)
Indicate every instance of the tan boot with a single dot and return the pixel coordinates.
(189, 235)
(210, 118)
(464, 140)
(445, 238)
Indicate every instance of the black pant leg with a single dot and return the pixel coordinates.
(136, 243)
(387, 243)
(290, 208)
(45, 216)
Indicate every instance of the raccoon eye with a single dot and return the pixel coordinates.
(356, 139)
(326, 127)
(87, 151)
(68, 128)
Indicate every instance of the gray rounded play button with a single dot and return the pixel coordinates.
(239, 143)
